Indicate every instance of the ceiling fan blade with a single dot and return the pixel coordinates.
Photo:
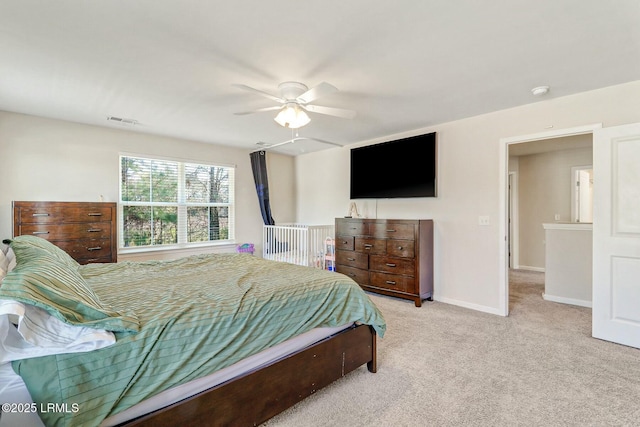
(323, 141)
(316, 92)
(260, 110)
(300, 138)
(337, 112)
(288, 141)
(259, 92)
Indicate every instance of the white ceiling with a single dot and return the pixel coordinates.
(402, 64)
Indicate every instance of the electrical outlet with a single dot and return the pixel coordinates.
(483, 220)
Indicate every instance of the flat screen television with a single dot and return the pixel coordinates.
(395, 169)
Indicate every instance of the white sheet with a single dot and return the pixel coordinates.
(39, 334)
(13, 389)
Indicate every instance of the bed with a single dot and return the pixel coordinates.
(297, 243)
(255, 336)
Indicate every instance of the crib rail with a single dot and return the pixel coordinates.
(296, 243)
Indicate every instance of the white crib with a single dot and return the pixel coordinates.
(296, 243)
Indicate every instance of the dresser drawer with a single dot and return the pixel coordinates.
(90, 230)
(361, 277)
(57, 214)
(371, 246)
(392, 281)
(345, 243)
(351, 228)
(87, 231)
(385, 230)
(401, 248)
(397, 255)
(86, 249)
(352, 259)
(405, 266)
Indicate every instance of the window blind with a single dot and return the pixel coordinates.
(166, 202)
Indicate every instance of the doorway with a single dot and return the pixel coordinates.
(507, 145)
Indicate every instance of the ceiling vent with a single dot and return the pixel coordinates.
(124, 122)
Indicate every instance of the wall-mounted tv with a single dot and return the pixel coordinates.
(394, 169)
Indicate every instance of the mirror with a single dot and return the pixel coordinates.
(582, 194)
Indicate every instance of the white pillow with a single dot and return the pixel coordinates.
(7, 260)
(28, 331)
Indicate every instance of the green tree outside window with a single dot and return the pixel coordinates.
(174, 203)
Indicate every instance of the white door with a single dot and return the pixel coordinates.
(616, 234)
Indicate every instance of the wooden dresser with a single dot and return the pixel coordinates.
(387, 256)
(85, 230)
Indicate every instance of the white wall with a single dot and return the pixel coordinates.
(467, 262)
(569, 261)
(282, 186)
(45, 159)
(544, 190)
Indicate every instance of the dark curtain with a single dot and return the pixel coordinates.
(259, 167)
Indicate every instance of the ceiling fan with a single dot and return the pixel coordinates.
(295, 100)
(266, 146)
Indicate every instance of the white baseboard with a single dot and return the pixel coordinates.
(477, 307)
(564, 300)
(527, 267)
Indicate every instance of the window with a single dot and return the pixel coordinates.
(165, 202)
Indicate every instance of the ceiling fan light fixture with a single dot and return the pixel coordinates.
(292, 116)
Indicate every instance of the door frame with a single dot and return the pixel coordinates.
(503, 224)
(513, 241)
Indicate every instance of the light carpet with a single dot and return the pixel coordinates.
(443, 365)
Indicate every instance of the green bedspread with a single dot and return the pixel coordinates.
(197, 315)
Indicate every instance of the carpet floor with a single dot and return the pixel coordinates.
(443, 365)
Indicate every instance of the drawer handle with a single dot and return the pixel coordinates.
(351, 259)
(390, 282)
(400, 248)
(390, 264)
(94, 230)
(40, 232)
(368, 246)
(97, 248)
(391, 231)
(40, 214)
(345, 242)
(94, 214)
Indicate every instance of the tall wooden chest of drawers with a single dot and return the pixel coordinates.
(387, 256)
(85, 230)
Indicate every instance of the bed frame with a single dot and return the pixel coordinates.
(253, 398)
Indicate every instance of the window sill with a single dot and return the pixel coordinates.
(174, 251)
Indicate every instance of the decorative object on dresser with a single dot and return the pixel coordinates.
(387, 256)
(85, 230)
